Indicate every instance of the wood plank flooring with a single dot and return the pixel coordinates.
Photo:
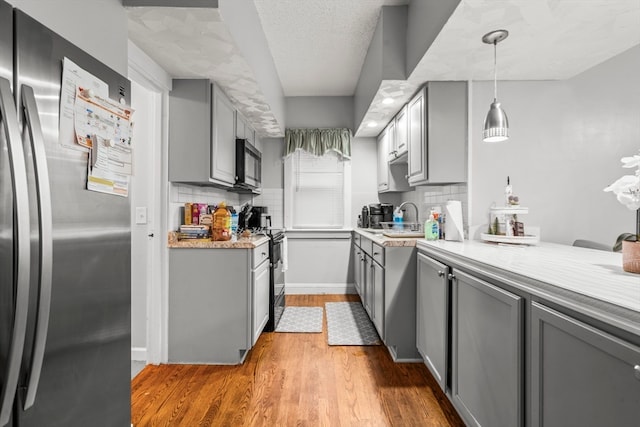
(293, 380)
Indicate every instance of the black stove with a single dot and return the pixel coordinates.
(276, 279)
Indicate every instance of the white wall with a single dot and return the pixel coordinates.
(567, 138)
(98, 27)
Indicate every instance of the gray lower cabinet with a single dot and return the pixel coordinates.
(386, 282)
(581, 376)
(487, 353)
(432, 317)
(218, 299)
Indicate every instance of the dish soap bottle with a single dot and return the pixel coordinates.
(431, 228)
(397, 218)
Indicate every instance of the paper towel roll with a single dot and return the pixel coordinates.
(453, 225)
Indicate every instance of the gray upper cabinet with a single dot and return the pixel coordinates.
(432, 316)
(201, 134)
(437, 134)
(383, 162)
(243, 129)
(391, 177)
(401, 135)
(581, 375)
(223, 145)
(487, 336)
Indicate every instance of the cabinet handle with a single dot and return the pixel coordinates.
(636, 371)
(440, 273)
(451, 276)
(376, 253)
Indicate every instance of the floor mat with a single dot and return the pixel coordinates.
(300, 319)
(349, 324)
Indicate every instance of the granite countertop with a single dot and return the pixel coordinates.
(592, 280)
(251, 242)
(382, 240)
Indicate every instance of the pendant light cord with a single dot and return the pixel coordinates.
(495, 71)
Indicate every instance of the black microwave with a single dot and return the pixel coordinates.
(248, 166)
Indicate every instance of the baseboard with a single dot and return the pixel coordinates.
(139, 353)
(319, 288)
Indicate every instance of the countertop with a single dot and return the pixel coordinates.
(382, 240)
(251, 242)
(592, 281)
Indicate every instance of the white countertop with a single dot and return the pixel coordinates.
(597, 275)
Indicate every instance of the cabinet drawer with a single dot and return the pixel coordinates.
(260, 253)
(377, 253)
(357, 239)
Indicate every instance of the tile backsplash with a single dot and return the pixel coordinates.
(179, 194)
(427, 197)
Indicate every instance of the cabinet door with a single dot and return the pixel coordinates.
(391, 140)
(190, 131)
(357, 268)
(240, 126)
(432, 316)
(378, 297)
(223, 141)
(486, 353)
(368, 284)
(580, 375)
(383, 161)
(402, 132)
(260, 312)
(417, 159)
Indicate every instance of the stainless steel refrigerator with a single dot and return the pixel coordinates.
(65, 302)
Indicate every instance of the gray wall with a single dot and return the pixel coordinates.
(272, 169)
(567, 138)
(319, 112)
(85, 23)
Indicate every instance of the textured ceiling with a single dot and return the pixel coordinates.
(319, 46)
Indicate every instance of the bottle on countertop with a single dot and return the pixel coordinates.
(398, 218)
(431, 228)
(221, 223)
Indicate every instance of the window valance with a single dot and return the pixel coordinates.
(318, 141)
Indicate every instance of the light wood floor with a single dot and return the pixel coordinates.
(293, 380)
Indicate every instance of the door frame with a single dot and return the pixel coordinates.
(145, 72)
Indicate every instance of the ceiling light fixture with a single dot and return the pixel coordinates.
(387, 101)
(496, 124)
(372, 124)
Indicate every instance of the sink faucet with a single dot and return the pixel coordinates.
(414, 207)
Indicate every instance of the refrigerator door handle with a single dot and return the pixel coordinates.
(43, 191)
(22, 254)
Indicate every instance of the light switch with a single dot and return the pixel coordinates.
(141, 215)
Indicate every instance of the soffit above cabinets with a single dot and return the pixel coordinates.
(195, 43)
(548, 40)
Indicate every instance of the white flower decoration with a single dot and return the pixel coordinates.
(627, 188)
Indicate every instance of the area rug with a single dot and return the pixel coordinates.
(300, 319)
(349, 324)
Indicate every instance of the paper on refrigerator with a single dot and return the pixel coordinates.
(73, 77)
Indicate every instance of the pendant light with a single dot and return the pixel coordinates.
(496, 124)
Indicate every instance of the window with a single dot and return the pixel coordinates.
(317, 191)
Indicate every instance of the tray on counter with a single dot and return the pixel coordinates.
(517, 240)
(402, 229)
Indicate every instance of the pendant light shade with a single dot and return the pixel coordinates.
(496, 124)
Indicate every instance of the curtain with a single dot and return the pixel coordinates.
(318, 141)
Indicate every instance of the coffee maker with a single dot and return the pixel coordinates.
(253, 217)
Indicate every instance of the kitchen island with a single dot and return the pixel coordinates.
(530, 335)
(218, 298)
